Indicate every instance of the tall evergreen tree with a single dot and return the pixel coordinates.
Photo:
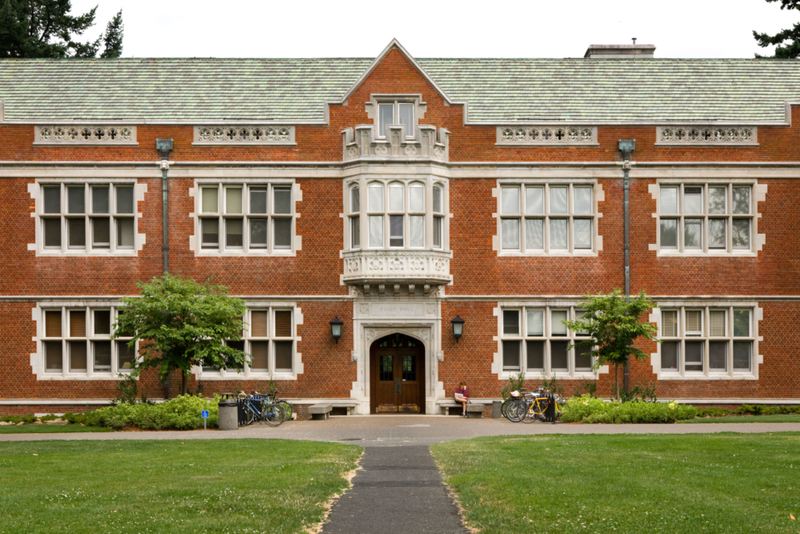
(45, 29)
(787, 41)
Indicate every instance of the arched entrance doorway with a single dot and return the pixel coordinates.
(397, 375)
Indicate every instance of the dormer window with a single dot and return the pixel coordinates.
(396, 113)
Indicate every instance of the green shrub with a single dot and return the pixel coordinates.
(11, 419)
(49, 417)
(757, 409)
(28, 419)
(180, 413)
(74, 418)
(714, 412)
(586, 409)
(515, 383)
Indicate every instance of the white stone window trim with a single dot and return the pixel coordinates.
(37, 195)
(756, 316)
(699, 136)
(270, 374)
(363, 183)
(195, 240)
(547, 306)
(373, 111)
(598, 195)
(37, 359)
(758, 193)
(85, 135)
(546, 136)
(244, 135)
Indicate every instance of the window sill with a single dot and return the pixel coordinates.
(709, 254)
(552, 254)
(675, 376)
(91, 253)
(535, 374)
(77, 376)
(242, 254)
(217, 376)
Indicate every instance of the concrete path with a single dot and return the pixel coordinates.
(397, 490)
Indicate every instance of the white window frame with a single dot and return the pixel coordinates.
(246, 216)
(705, 337)
(374, 112)
(681, 218)
(113, 217)
(39, 360)
(247, 373)
(430, 214)
(504, 372)
(524, 246)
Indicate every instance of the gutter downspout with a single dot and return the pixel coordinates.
(164, 147)
(626, 147)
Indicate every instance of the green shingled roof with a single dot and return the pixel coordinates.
(497, 90)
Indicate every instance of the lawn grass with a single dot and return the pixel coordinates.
(776, 418)
(674, 484)
(46, 429)
(197, 486)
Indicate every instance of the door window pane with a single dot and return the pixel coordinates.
(583, 200)
(511, 355)
(693, 233)
(510, 200)
(583, 233)
(396, 197)
(534, 234)
(534, 200)
(100, 202)
(233, 200)
(258, 233)
(125, 199)
(511, 322)
(741, 233)
(669, 200)
(258, 200)
(416, 198)
(535, 322)
(283, 233)
(510, 229)
(396, 230)
(535, 354)
(559, 355)
(417, 230)
(210, 199)
(409, 368)
(741, 200)
(76, 199)
(52, 199)
(716, 200)
(716, 233)
(558, 234)
(283, 200)
(669, 233)
(693, 200)
(558, 200)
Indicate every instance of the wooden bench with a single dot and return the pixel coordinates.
(320, 412)
(474, 409)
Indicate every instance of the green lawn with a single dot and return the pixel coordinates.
(730, 483)
(45, 429)
(777, 418)
(191, 486)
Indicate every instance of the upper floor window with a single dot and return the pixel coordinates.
(707, 341)
(245, 218)
(87, 217)
(705, 218)
(536, 340)
(547, 218)
(76, 342)
(397, 215)
(391, 113)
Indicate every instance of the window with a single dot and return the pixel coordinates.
(705, 218)
(706, 341)
(535, 340)
(396, 113)
(398, 215)
(76, 343)
(268, 339)
(547, 218)
(89, 218)
(245, 218)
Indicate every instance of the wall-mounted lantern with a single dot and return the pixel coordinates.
(458, 327)
(336, 328)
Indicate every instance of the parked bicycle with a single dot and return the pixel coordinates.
(532, 406)
(260, 408)
(287, 406)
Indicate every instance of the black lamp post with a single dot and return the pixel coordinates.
(458, 327)
(336, 328)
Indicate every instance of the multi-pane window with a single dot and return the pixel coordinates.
(395, 113)
(87, 217)
(245, 217)
(397, 215)
(536, 340)
(704, 341)
(547, 218)
(77, 341)
(268, 339)
(705, 218)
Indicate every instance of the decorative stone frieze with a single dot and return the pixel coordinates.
(244, 135)
(707, 135)
(383, 269)
(546, 135)
(428, 143)
(84, 135)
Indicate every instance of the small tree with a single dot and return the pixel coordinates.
(787, 41)
(613, 322)
(181, 323)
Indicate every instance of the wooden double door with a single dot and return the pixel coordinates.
(397, 371)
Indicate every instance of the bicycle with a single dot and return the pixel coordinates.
(287, 406)
(529, 407)
(258, 408)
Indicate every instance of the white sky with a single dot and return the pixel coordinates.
(527, 28)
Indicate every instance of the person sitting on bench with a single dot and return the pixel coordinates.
(462, 396)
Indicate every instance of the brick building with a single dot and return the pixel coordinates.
(398, 194)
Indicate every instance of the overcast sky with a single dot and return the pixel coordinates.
(529, 28)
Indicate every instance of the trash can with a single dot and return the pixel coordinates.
(228, 414)
(496, 409)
